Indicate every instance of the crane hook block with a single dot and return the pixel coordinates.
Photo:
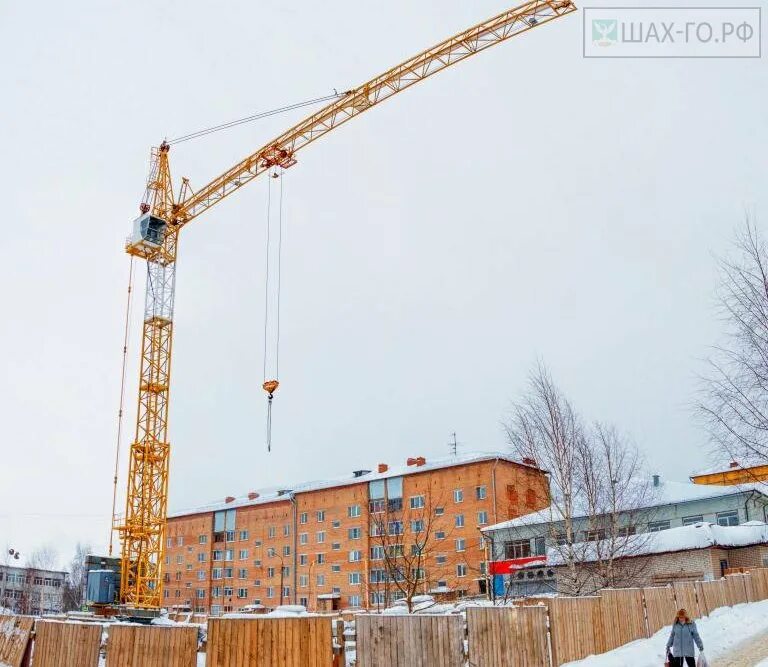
(270, 386)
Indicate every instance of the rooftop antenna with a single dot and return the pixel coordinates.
(453, 445)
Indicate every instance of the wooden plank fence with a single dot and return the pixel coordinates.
(686, 598)
(60, 644)
(623, 616)
(264, 642)
(660, 607)
(576, 628)
(507, 636)
(711, 594)
(151, 646)
(409, 641)
(15, 632)
(735, 589)
(760, 581)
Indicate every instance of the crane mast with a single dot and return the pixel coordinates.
(155, 239)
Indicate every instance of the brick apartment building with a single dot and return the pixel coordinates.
(332, 544)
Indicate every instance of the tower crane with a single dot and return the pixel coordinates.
(155, 238)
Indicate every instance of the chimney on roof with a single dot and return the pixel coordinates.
(253, 495)
(529, 461)
(733, 464)
(229, 499)
(416, 461)
(656, 480)
(360, 473)
(282, 492)
(383, 467)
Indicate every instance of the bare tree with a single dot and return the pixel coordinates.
(734, 395)
(600, 493)
(74, 586)
(407, 539)
(545, 429)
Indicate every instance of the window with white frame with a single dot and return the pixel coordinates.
(417, 502)
(320, 516)
(303, 517)
(303, 538)
(482, 518)
(461, 570)
(354, 578)
(461, 544)
(459, 521)
(353, 511)
(730, 518)
(458, 495)
(355, 556)
(320, 537)
(480, 492)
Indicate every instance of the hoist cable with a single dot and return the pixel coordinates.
(126, 334)
(279, 276)
(257, 116)
(266, 275)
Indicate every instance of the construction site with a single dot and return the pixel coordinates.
(342, 550)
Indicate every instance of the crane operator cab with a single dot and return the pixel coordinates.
(148, 234)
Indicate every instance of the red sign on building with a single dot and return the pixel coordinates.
(514, 564)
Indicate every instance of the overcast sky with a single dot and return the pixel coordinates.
(526, 204)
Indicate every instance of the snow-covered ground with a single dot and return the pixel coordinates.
(721, 631)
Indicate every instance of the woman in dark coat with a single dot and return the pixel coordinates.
(681, 640)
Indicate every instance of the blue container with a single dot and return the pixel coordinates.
(101, 587)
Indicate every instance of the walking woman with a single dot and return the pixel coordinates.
(681, 639)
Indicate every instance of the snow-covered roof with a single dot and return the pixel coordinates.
(272, 494)
(666, 493)
(684, 538)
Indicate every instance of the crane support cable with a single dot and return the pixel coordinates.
(126, 335)
(247, 119)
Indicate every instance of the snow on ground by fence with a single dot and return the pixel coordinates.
(721, 631)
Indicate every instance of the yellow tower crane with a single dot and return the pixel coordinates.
(155, 238)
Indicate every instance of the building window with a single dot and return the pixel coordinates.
(179, 559)
(691, 520)
(303, 580)
(243, 535)
(354, 600)
(303, 517)
(728, 518)
(216, 610)
(286, 550)
(354, 578)
(480, 492)
(243, 554)
(539, 546)
(320, 559)
(271, 531)
(353, 533)
(202, 539)
(302, 559)
(657, 526)
(395, 528)
(377, 553)
(320, 579)
(303, 538)
(242, 573)
(336, 546)
(201, 557)
(439, 511)
(355, 556)
(270, 591)
(230, 536)
(461, 544)
(201, 575)
(286, 530)
(482, 518)
(320, 539)
(286, 591)
(228, 591)
(335, 568)
(336, 523)
(459, 521)
(216, 573)
(270, 572)
(440, 535)
(180, 541)
(417, 502)
(441, 559)
(353, 511)
(517, 549)
(377, 506)
(594, 535)
(320, 516)
(200, 593)
(417, 526)
(461, 570)
(458, 496)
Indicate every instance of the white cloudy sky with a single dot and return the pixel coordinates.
(528, 203)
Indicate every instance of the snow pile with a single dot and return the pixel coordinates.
(721, 631)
